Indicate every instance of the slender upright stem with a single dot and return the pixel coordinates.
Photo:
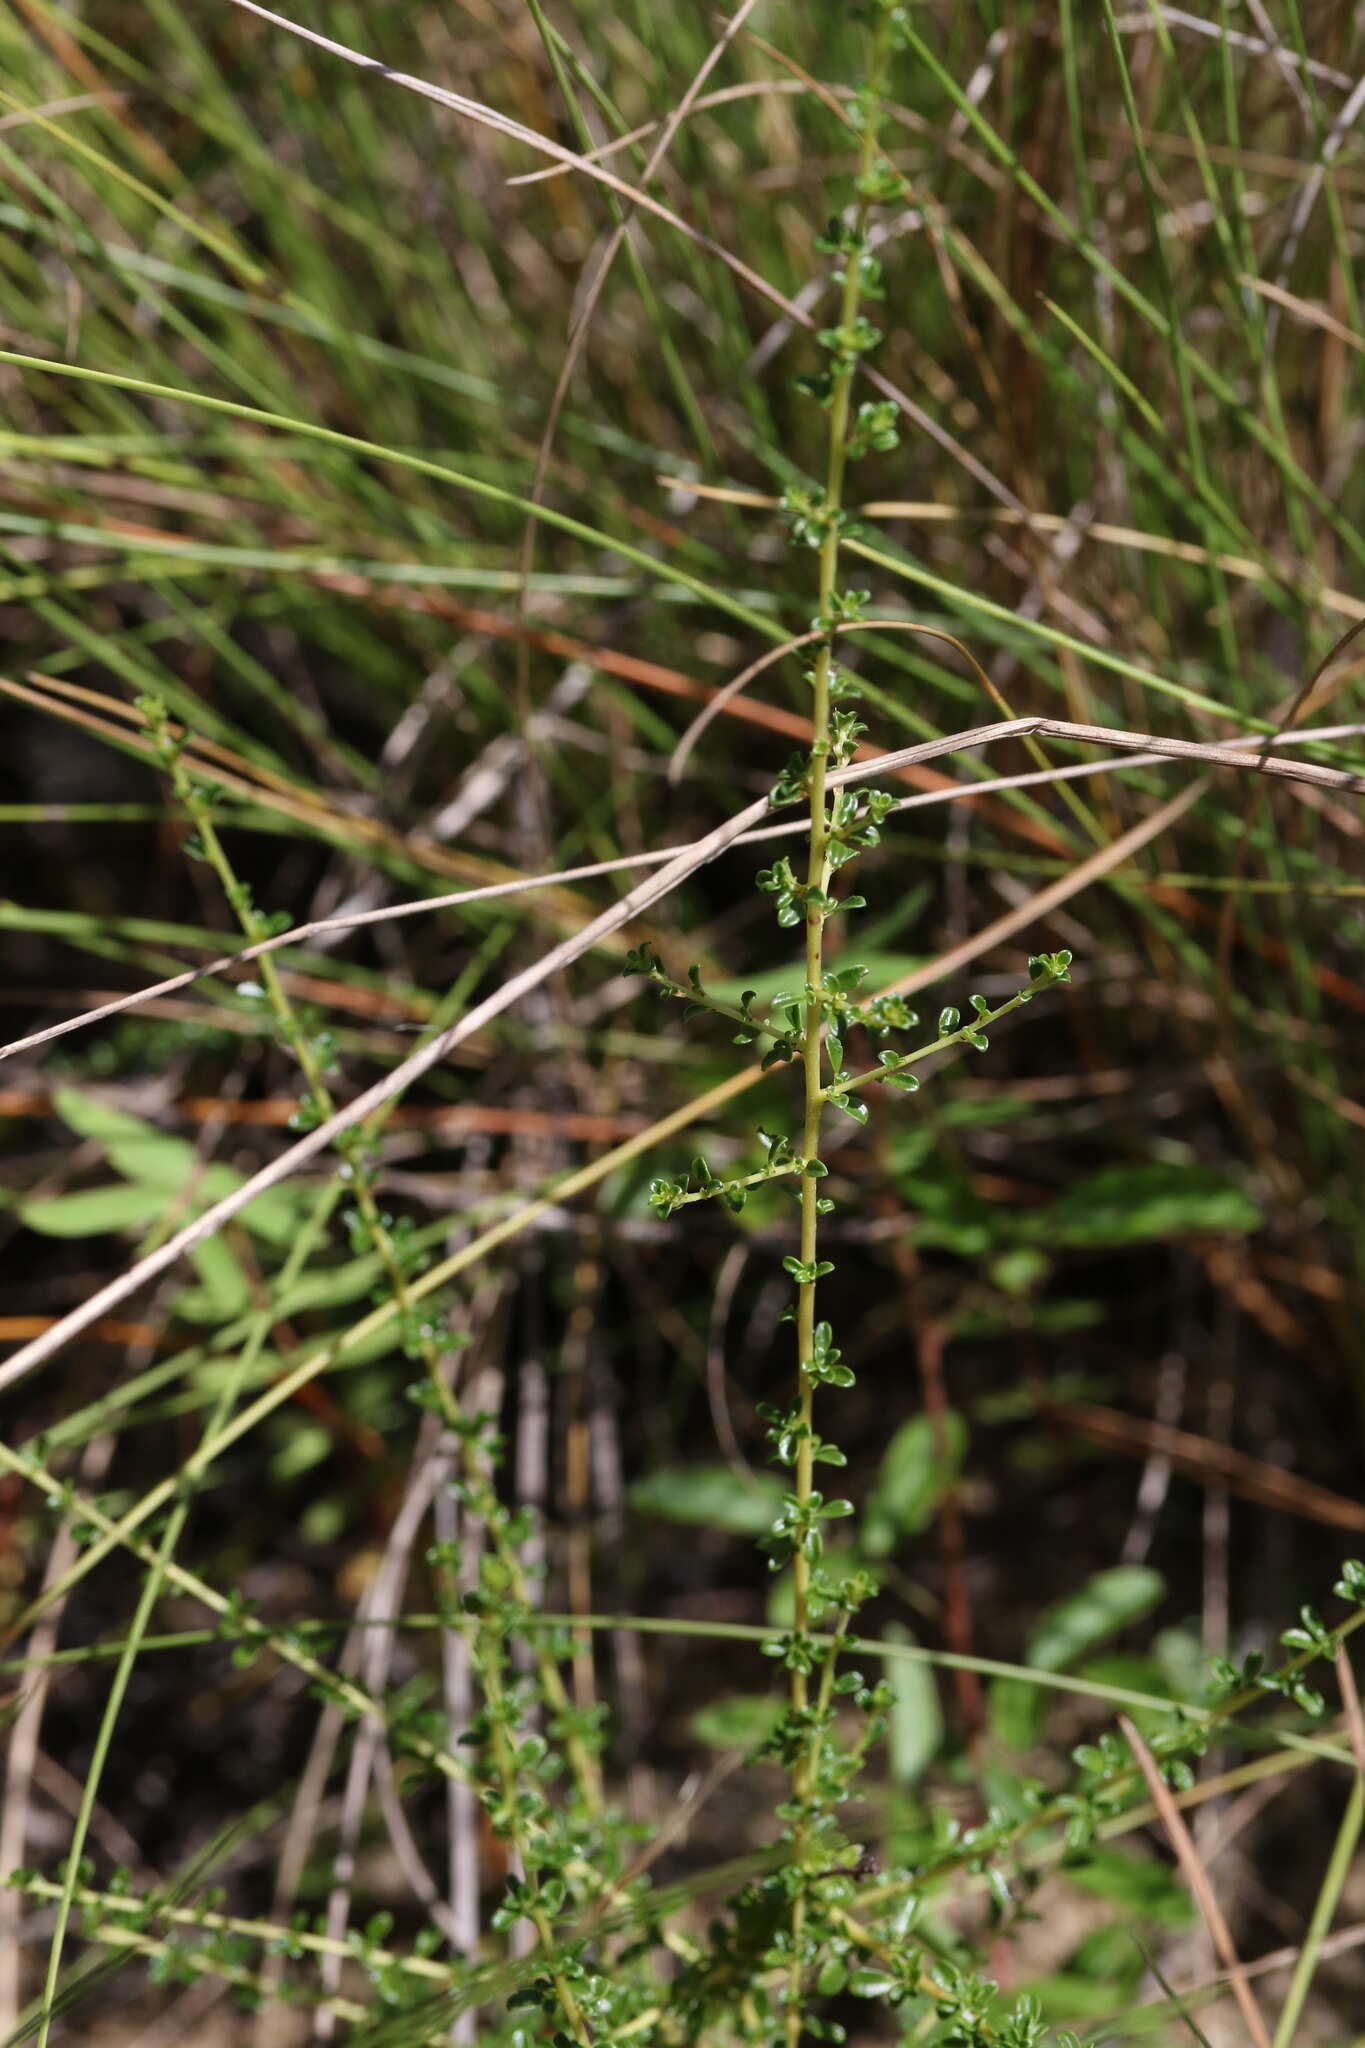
(818, 873)
(473, 1459)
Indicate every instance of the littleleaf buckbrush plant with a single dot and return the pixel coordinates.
(808, 1027)
(580, 1935)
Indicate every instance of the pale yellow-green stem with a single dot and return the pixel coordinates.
(818, 873)
(585, 1766)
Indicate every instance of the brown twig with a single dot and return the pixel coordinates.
(1196, 1877)
(1210, 1463)
(1350, 1700)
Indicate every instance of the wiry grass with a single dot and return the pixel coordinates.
(403, 425)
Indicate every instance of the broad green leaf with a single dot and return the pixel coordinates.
(323, 1520)
(711, 1497)
(947, 1211)
(1076, 1995)
(224, 1282)
(742, 1722)
(1134, 1673)
(142, 1153)
(138, 1149)
(915, 1724)
(273, 1215)
(1016, 1712)
(377, 1343)
(331, 1286)
(1046, 1319)
(199, 1305)
(90, 1117)
(1021, 1271)
(92, 1211)
(1184, 1667)
(1110, 1956)
(1141, 1885)
(1130, 1204)
(911, 1482)
(211, 1377)
(305, 1444)
(1110, 1601)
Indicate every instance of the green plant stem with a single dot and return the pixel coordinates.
(266, 1931)
(1324, 1911)
(702, 999)
(818, 873)
(291, 1032)
(474, 1462)
(485, 1649)
(149, 1595)
(352, 1146)
(280, 1642)
(744, 1180)
(94, 1771)
(984, 1021)
(757, 1634)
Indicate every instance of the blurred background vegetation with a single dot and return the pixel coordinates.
(1102, 1287)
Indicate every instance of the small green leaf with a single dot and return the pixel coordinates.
(1130, 1204)
(871, 1984)
(840, 1564)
